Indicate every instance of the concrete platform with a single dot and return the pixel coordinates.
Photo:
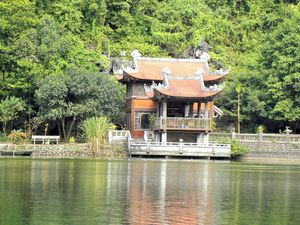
(179, 149)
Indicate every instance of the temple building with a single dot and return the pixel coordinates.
(171, 98)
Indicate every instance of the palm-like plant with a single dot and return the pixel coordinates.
(96, 131)
(17, 136)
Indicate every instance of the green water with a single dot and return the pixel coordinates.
(86, 192)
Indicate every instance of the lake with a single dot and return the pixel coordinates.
(137, 191)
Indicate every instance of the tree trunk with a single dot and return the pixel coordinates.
(71, 128)
(59, 128)
(4, 128)
(296, 126)
(63, 127)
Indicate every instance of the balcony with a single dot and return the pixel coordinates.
(181, 123)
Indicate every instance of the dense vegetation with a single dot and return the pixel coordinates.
(53, 52)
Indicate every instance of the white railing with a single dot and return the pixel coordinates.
(179, 143)
(292, 138)
(118, 135)
(180, 149)
(181, 123)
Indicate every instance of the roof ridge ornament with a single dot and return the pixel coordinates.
(221, 71)
(199, 72)
(166, 71)
(135, 54)
(214, 87)
(159, 86)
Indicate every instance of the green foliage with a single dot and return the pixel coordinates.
(95, 131)
(76, 95)
(10, 109)
(3, 137)
(237, 149)
(17, 136)
(59, 41)
(280, 59)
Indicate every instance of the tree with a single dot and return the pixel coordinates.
(280, 60)
(78, 94)
(9, 110)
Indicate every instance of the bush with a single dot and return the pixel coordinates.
(17, 136)
(3, 137)
(96, 131)
(237, 150)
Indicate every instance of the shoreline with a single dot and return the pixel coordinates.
(82, 151)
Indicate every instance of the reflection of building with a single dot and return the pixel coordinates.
(157, 196)
(172, 97)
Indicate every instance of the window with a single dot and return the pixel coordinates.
(142, 120)
(145, 121)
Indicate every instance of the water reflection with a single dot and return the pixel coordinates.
(170, 193)
(147, 192)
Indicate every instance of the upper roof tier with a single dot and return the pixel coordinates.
(152, 69)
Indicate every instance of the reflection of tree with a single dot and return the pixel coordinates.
(258, 195)
(146, 192)
(15, 180)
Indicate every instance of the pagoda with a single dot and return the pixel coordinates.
(172, 98)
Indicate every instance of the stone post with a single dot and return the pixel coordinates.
(233, 135)
(260, 137)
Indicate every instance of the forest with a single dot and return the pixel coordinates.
(55, 57)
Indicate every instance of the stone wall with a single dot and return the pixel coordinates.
(68, 150)
(265, 145)
(272, 150)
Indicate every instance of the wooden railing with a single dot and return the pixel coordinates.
(181, 123)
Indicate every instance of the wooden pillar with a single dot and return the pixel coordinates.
(164, 117)
(186, 110)
(199, 136)
(158, 109)
(206, 110)
(165, 108)
(199, 110)
(191, 111)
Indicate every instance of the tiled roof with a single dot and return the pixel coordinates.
(152, 69)
(179, 78)
(213, 77)
(186, 89)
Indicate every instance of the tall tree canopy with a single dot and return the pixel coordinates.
(65, 42)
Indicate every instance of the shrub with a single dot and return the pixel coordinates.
(95, 131)
(237, 150)
(17, 136)
(3, 137)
